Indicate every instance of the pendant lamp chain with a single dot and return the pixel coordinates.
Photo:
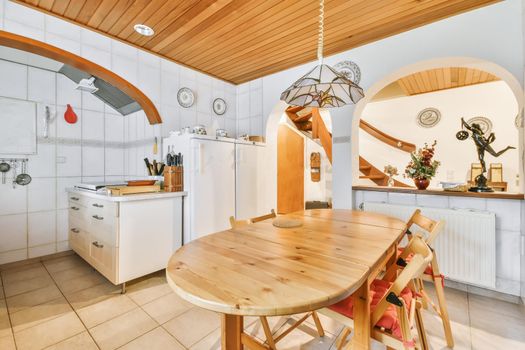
(322, 86)
(320, 39)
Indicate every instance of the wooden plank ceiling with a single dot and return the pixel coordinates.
(240, 40)
(443, 78)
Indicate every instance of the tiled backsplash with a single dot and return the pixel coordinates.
(102, 145)
(34, 218)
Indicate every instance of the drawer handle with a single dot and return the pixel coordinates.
(75, 198)
(75, 230)
(75, 208)
(97, 217)
(98, 205)
(98, 245)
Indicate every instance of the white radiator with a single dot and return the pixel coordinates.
(466, 248)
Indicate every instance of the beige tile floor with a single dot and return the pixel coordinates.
(62, 303)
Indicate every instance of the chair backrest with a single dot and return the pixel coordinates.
(239, 223)
(264, 217)
(432, 227)
(421, 256)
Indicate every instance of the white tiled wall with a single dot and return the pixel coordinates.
(109, 146)
(508, 226)
(34, 218)
(250, 108)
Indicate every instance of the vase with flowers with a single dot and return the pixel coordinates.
(391, 171)
(422, 168)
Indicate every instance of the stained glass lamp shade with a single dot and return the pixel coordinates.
(322, 87)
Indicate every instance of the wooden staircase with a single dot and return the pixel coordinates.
(310, 123)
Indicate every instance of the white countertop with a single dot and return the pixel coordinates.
(128, 197)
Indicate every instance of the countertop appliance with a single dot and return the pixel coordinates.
(95, 186)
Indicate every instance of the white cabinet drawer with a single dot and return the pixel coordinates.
(101, 207)
(78, 238)
(104, 228)
(76, 198)
(103, 257)
(77, 211)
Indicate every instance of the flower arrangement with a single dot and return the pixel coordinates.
(422, 167)
(391, 171)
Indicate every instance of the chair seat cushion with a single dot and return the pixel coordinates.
(390, 320)
(428, 269)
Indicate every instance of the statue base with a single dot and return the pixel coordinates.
(481, 185)
(480, 189)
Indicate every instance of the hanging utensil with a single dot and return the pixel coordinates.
(4, 168)
(24, 178)
(14, 165)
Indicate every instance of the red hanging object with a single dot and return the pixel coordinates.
(70, 116)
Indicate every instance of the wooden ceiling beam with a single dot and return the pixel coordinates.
(353, 41)
(241, 40)
(203, 44)
(160, 22)
(74, 8)
(269, 29)
(304, 36)
(198, 14)
(332, 37)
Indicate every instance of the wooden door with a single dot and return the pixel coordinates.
(290, 171)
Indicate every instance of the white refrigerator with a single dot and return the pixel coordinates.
(249, 180)
(209, 180)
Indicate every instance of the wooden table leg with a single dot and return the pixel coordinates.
(361, 339)
(232, 328)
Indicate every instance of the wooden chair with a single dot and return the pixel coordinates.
(270, 338)
(395, 306)
(239, 223)
(432, 273)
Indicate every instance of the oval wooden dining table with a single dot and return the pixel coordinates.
(263, 270)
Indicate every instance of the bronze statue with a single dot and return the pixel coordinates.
(482, 144)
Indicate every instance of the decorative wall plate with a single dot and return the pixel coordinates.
(219, 106)
(350, 70)
(484, 123)
(518, 121)
(428, 117)
(185, 97)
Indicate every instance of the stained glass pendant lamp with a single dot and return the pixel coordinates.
(323, 86)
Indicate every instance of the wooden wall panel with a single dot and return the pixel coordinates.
(241, 40)
(290, 171)
(443, 78)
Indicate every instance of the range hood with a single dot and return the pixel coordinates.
(106, 92)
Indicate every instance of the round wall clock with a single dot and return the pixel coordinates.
(350, 70)
(219, 106)
(484, 123)
(428, 117)
(185, 97)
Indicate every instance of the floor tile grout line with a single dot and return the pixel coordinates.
(72, 308)
(7, 310)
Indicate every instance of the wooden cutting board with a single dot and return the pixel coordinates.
(124, 190)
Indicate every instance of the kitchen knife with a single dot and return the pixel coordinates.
(155, 169)
(148, 166)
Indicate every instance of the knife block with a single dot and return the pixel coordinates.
(173, 179)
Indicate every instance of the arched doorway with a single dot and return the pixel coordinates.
(515, 96)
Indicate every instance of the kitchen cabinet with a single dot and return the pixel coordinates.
(125, 237)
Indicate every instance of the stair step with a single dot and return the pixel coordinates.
(372, 177)
(304, 126)
(302, 118)
(365, 167)
(294, 109)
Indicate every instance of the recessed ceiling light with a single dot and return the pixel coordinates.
(143, 29)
